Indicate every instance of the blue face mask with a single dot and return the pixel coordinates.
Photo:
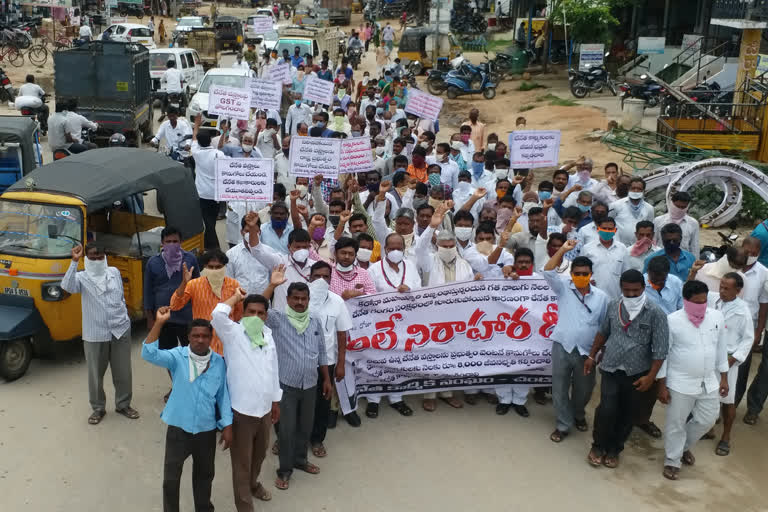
(477, 168)
(400, 169)
(279, 224)
(379, 111)
(544, 195)
(434, 179)
(584, 208)
(606, 235)
(320, 124)
(297, 102)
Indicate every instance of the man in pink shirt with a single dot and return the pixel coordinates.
(347, 279)
(478, 129)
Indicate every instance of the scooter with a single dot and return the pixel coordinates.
(355, 55)
(459, 85)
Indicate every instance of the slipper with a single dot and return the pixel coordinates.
(453, 402)
(318, 450)
(595, 458)
(557, 436)
(688, 458)
(260, 493)
(308, 467)
(581, 425)
(275, 448)
(129, 412)
(670, 472)
(96, 417)
(723, 448)
(281, 484)
(651, 429)
(429, 404)
(750, 419)
(402, 408)
(611, 461)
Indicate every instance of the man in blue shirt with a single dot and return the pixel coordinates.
(275, 234)
(761, 233)
(680, 261)
(297, 59)
(199, 393)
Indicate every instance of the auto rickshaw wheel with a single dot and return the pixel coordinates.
(15, 356)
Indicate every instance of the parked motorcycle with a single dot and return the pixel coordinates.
(711, 253)
(648, 90)
(594, 78)
(355, 55)
(7, 91)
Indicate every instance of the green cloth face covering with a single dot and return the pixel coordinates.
(299, 321)
(254, 328)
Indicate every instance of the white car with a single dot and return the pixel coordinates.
(229, 77)
(129, 33)
(187, 61)
(263, 11)
(186, 24)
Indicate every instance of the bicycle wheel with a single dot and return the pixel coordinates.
(38, 55)
(14, 56)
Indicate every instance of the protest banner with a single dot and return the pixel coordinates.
(230, 102)
(280, 73)
(262, 24)
(591, 55)
(318, 90)
(355, 155)
(266, 94)
(315, 155)
(469, 335)
(423, 105)
(244, 179)
(650, 45)
(529, 149)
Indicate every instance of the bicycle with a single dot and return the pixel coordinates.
(12, 54)
(38, 54)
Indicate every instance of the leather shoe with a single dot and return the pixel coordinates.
(502, 409)
(521, 410)
(353, 419)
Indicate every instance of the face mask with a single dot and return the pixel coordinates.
(318, 234)
(379, 150)
(254, 328)
(319, 124)
(635, 195)
(379, 111)
(302, 190)
(491, 146)
(424, 144)
(342, 268)
(434, 203)
(581, 281)
(584, 207)
(695, 312)
(400, 169)
(279, 224)
(525, 272)
(485, 247)
(671, 245)
(446, 254)
(463, 233)
(606, 235)
(373, 188)
(356, 133)
(334, 220)
(584, 176)
(286, 151)
(364, 255)
(477, 168)
(97, 271)
(215, 278)
(501, 193)
(395, 256)
(676, 214)
(247, 148)
(434, 179)
(528, 205)
(301, 255)
(544, 195)
(318, 291)
(751, 260)
(633, 305)
(297, 103)
(501, 174)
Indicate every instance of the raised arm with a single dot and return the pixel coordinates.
(476, 196)
(319, 203)
(70, 283)
(557, 259)
(295, 212)
(378, 221)
(181, 296)
(225, 327)
(150, 351)
(276, 279)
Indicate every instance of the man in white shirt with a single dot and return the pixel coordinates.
(267, 142)
(678, 214)
(693, 377)
(240, 63)
(607, 256)
(75, 124)
(243, 267)
(334, 316)
(58, 138)
(739, 335)
(449, 170)
(254, 389)
(283, 165)
(629, 211)
(174, 83)
(297, 113)
(177, 134)
(482, 177)
(85, 32)
(205, 157)
(643, 246)
(31, 89)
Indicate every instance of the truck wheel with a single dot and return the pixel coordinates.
(15, 356)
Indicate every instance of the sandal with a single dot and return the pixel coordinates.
(710, 434)
(318, 450)
(402, 408)
(750, 419)
(595, 458)
(557, 436)
(581, 425)
(723, 448)
(276, 449)
(688, 458)
(453, 402)
(651, 429)
(611, 461)
(429, 404)
(129, 412)
(260, 493)
(96, 417)
(282, 483)
(670, 472)
(308, 467)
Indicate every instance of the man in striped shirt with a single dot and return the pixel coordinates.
(106, 329)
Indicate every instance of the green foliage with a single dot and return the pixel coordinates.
(706, 197)
(753, 207)
(589, 21)
(557, 101)
(529, 86)
(526, 108)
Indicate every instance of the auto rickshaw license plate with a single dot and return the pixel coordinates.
(16, 291)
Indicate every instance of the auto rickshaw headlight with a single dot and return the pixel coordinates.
(53, 292)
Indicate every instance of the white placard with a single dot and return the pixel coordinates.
(74, 21)
(592, 55)
(318, 90)
(262, 24)
(244, 179)
(231, 102)
(266, 94)
(423, 105)
(356, 155)
(311, 156)
(281, 73)
(115, 20)
(650, 45)
(529, 149)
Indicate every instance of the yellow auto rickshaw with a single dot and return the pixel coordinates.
(417, 46)
(93, 196)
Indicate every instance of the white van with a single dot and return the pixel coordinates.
(187, 61)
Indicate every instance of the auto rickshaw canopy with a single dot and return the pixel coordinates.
(19, 130)
(102, 176)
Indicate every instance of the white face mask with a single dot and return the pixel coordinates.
(633, 305)
(501, 174)
(395, 256)
(491, 146)
(342, 268)
(751, 260)
(528, 205)
(301, 256)
(318, 291)
(302, 190)
(424, 144)
(247, 148)
(96, 268)
(463, 233)
(447, 254)
(379, 150)
(635, 195)
(364, 255)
